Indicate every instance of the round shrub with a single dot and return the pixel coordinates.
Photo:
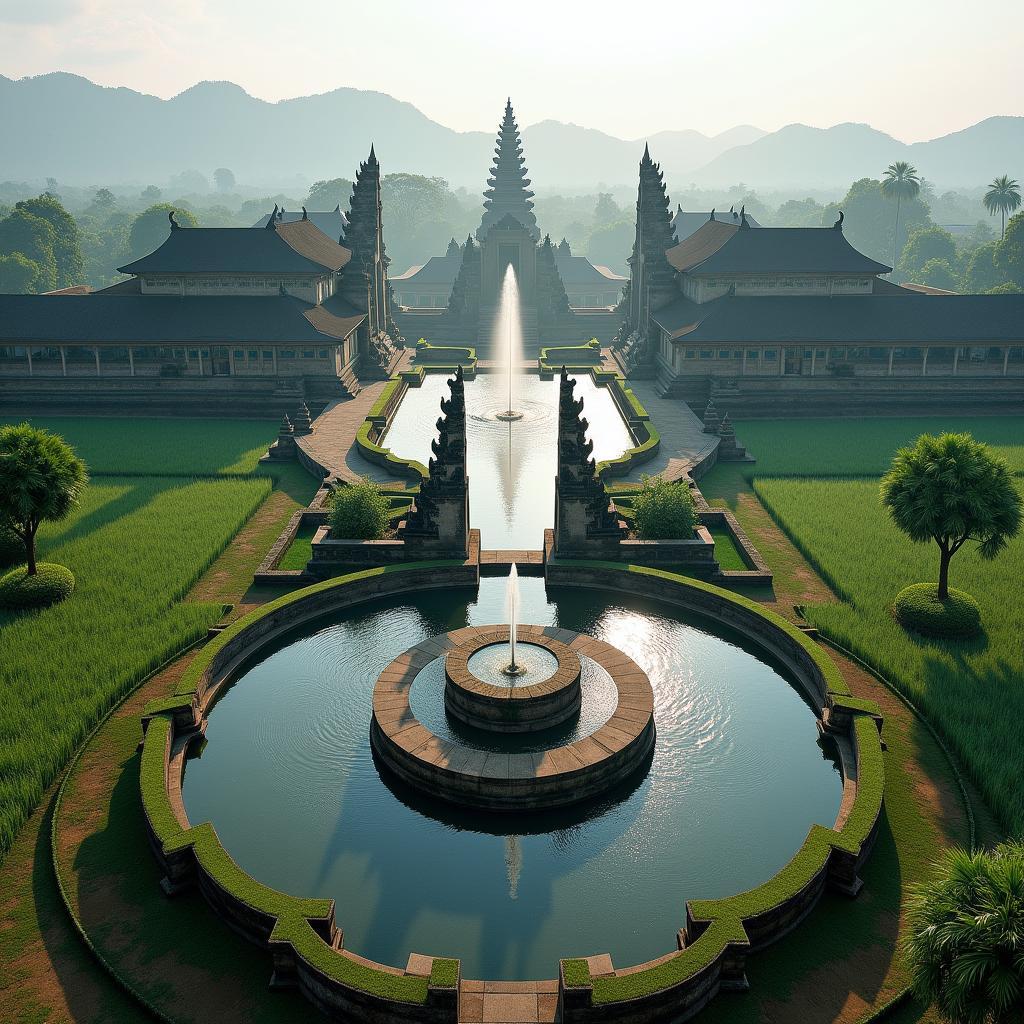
(918, 608)
(663, 510)
(360, 512)
(50, 584)
(12, 548)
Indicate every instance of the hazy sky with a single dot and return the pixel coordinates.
(914, 69)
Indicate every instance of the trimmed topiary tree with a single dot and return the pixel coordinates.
(965, 946)
(49, 584)
(952, 489)
(360, 512)
(41, 480)
(663, 510)
(918, 607)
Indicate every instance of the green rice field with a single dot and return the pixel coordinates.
(863, 446)
(130, 445)
(973, 692)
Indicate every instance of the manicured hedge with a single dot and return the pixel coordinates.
(726, 916)
(292, 913)
(919, 609)
(50, 584)
(444, 973)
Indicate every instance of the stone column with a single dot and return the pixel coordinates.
(743, 367)
(231, 361)
(1006, 359)
(64, 362)
(200, 351)
(892, 352)
(96, 356)
(28, 352)
(814, 356)
(956, 358)
(924, 363)
(782, 361)
(274, 350)
(131, 362)
(187, 364)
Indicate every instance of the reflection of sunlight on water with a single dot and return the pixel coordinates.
(513, 864)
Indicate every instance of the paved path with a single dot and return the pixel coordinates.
(333, 441)
(683, 441)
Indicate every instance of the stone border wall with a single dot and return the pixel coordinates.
(302, 936)
(720, 934)
(305, 943)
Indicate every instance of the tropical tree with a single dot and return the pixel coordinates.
(150, 228)
(1009, 253)
(1002, 197)
(41, 479)
(32, 236)
(900, 181)
(67, 242)
(952, 489)
(965, 945)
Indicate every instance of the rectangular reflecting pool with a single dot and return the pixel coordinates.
(511, 465)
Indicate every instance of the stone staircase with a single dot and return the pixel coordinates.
(489, 322)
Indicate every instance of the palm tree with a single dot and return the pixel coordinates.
(900, 181)
(1002, 197)
(964, 945)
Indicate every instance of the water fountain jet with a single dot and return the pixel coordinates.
(510, 338)
(512, 597)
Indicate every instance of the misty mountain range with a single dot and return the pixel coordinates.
(64, 126)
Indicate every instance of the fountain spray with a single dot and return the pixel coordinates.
(513, 614)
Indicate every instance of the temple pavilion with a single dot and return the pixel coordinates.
(299, 305)
(783, 318)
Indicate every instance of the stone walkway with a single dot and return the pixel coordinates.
(683, 441)
(333, 441)
(508, 1002)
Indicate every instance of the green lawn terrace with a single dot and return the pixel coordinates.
(149, 588)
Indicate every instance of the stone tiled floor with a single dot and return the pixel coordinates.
(683, 441)
(508, 1002)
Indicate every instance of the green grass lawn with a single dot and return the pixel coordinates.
(136, 545)
(971, 691)
(863, 446)
(128, 445)
(726, 552)
(300, 551)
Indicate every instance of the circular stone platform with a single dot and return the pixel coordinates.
(519, 705)
(504, 781)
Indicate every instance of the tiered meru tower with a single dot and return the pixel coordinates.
(651, 277)
(365, 281)
(508, 186)
(508, 236)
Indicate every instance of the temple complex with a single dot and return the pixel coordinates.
(468, 279)
(266, 317)
(778, 321)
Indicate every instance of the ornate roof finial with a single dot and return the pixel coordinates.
(373, 156)
(305, 216)
(272, 220)
(174, 224)
(647, 153)
(743, 217)
(838, 226)
(712, 217)
(679, 208)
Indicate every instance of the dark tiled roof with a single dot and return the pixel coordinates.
(442, 270)
(289, 248)
(437, 270)
(908, 319)
(336, 317)
(162, 319)
(725, 249)
(579, 270)
(685, 223)
(331, 222)
(701, 245)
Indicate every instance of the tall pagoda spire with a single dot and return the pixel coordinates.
(508, 187)
(651, 277)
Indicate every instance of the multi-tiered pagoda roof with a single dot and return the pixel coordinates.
(508, 190)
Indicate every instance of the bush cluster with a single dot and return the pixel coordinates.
(919, 609)
(664, 510)
(360, 512)
(50, 584)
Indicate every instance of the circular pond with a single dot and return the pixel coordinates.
(737, 777)
(534, 664)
